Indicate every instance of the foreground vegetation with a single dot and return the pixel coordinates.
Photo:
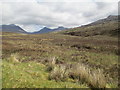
(30, 75)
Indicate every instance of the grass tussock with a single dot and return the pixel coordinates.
(79, 72)
(51, 63)
(14, 58)
(59, 73)
(94, 78)
(97, 79)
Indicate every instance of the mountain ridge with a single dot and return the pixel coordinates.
(47, 30)
(107, 26)
(18, 29)
(107, 19)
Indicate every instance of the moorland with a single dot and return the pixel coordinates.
(82, 57)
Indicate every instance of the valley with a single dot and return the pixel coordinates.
(83, 57)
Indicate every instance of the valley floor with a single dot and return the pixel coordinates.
(55, 60)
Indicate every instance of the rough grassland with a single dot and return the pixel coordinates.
(30, 75)
(33, 61)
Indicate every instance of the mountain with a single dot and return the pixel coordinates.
(59, 28)
(47, 30)
(17, 29)
(102, 21)
(12, 28)
(107, 26)
(44, 30)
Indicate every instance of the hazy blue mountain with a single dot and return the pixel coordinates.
(46, 30)
(12, 28)
(59, 28)
(17, 29)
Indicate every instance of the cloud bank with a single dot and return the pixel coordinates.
(35, 14)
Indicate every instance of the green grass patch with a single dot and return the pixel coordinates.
(30, 75)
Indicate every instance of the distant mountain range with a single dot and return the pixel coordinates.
(18, 29)
(46, 30)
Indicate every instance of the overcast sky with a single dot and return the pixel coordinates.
(32, 15)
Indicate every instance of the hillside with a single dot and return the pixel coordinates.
(12, 28)
(107, 26)
(108, 19)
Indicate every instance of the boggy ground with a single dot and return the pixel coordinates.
(56, 60)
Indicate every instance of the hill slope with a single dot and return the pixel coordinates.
(12, 28)
(107, 26)
(108, 19)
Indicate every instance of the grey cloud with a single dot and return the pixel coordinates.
(53, 14)
(101, 5)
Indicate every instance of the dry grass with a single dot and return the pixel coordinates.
(50, 64)
(14, 58)
(97, 79)
(94, 78)
(79, 72)
(59, 73)
(57, 53)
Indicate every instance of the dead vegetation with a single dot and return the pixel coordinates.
(80, 73)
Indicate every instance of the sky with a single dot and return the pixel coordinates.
(32, 15)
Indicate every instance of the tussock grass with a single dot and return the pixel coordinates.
(59, 73)
(50, 63)
(30, 75)
(14, 58)
(79, 72)
(97, 79)
(94, 78)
